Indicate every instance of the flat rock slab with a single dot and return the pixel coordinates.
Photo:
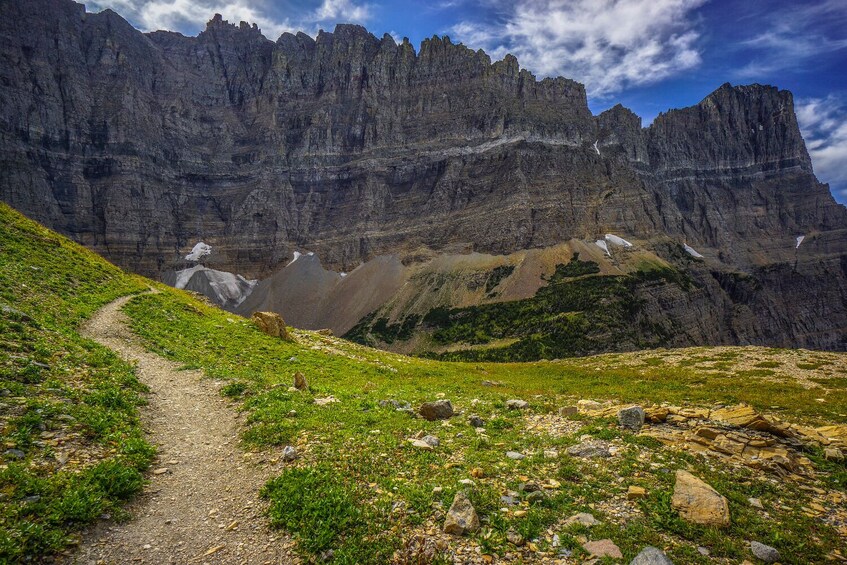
(603, 548)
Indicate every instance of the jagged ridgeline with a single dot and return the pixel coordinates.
(361, 149)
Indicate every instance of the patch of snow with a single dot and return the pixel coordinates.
(601, 243)
(311, 253)
(690, 250)
(183, 276)
(615, 240)
(199, 251)
(343, 275)
(597, 149)
(800, 239)
(297, 255)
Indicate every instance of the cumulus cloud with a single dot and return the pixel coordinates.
(823, 122)
(606, 44)
(190, 16)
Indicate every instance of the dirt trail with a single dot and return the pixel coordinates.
(205, 508)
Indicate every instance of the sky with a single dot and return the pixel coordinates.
(649, 55)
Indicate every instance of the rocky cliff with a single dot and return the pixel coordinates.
(352, 146)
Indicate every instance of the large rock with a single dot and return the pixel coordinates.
(651, 556)
(272, 324)
(699, 503)
(631, 418)
(602, 548)
(461, 518)
(437, 410)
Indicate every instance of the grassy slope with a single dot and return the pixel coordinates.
(61, 396)
(355, 453)
(358, 483)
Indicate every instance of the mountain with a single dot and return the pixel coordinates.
(354, 147)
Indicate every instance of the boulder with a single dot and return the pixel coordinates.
(461, 518)
(699, 503)
(476, 421)
(272, 324)
(438, 410)
(764, 552)
(631, 418)
(651, 556)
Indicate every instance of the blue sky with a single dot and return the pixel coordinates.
(649, 55)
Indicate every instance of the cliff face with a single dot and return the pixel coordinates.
(139, 145)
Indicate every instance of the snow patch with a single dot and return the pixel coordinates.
(800, 239)
(690, 250)
(597, 149)
(225, 289)
(183, 276)
(199, 251)
(343, 275)
(615, 240)
(297, 255)
(601, 243)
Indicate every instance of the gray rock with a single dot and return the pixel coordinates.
(567, 411)
(529, 487)
(515, 455)
(461, 518)
(14, 454)
(399, 405)
(631, 418)
(516, 404)
(590, 449)
(651, 556)
(438, 410)
(508, 500)
(764, 552)
(583, 519)
(476, 421)
(514, 538)
(432, 441)
(289, 453)
(535, 497)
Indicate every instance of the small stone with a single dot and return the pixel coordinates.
(292, 413)
(635, 492)
(756, 503)
(437, 490)
(14, 454)
(567, 411)
(515, 455)
(160, 471)
(477, 473)
(438, 410)
(289, 453)
(704, 551)
(300, 381)
(529, 487)
(699, 503)
(631, 418)
(651, 556)
(764, 552)
(461, 518)
(514, 538)
(419, 443)
(583, 518)
(516, 404)
(833, 454)
(467, 482)
(590, 449)
(508, 500)
(326, 400)
(431, 440)
(602, 548)
(551, 454)
(535, 497)
(476, 421)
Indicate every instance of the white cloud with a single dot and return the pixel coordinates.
(606, 44)
(795, 35)
(823, 122)
(191, 15)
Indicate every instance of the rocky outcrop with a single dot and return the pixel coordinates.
(352, 147)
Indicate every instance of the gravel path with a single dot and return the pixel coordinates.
(202, 503)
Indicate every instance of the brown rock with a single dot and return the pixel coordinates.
(742, 416)
(272, 324)
(699, 503)
(300, 381)
(603, 548)
(461, 518)
(438, 410)
(635, 492)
